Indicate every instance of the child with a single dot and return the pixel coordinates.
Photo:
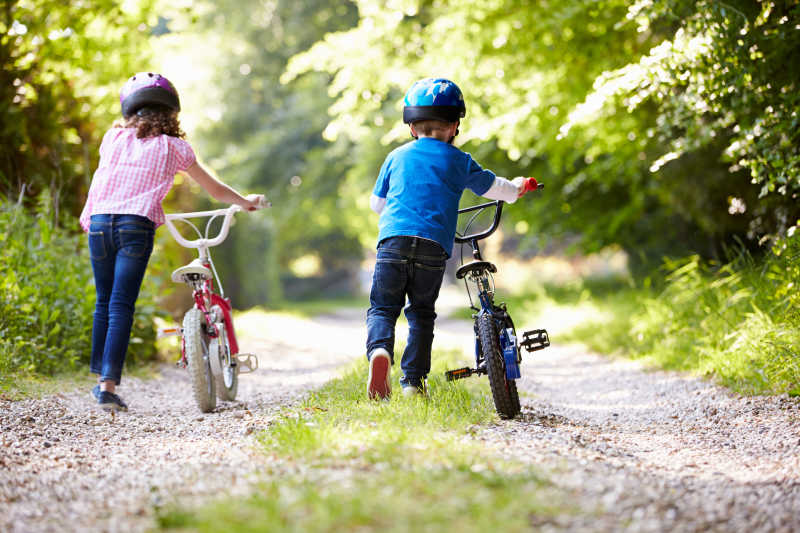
(417, 195)
(139, 158)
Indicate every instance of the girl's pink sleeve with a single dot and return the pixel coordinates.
(185, 154)
(108, 138)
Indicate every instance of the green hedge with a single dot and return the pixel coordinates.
(47, 298)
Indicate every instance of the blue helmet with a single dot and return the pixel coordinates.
(433, 99)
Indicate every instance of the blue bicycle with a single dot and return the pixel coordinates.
(497, 348)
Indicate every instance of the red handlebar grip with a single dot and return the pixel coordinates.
(530, 185)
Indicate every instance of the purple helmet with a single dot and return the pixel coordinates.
(147, 89)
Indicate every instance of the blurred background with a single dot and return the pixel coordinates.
(666, 133)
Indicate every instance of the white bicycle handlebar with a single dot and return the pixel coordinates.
(203, 242)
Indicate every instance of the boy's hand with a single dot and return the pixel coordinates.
(525, 185)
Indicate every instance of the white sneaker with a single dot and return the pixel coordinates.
(412, 390)
(379, 386)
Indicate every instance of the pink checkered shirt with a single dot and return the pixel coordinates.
(135, 175)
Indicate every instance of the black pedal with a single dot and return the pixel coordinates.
(459, 373)
(535, 339)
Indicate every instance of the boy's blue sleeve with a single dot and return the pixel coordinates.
(382, 184)
(479, 180)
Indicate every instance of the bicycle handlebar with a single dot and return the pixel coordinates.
(492, 228)
(205, 243)
(530, 184)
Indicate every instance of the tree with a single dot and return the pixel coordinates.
(596, 97)
(59, 64)
(266, 137)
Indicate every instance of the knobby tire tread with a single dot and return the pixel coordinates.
(504, 392)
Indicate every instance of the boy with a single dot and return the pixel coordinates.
(417, 195)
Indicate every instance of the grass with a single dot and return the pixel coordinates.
(339, 462)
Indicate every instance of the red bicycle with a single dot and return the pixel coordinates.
(208, 339)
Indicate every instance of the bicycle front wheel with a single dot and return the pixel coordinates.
(195, 342)
(226, 374)
(504, 390)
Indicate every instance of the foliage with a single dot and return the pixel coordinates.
(265, 137)
(721, 75)
(737, 322)
(48, 298)
(62, 64)
(340, 462)
(595, 97)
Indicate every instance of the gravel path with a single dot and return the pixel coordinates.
(64, 466)
(655, 451)
(634, 450)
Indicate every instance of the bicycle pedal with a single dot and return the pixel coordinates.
(246, 362)
(459, 373)
(174, 331)
(535, 339)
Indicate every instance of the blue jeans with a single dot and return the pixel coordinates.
(406, 267)
(120, 246)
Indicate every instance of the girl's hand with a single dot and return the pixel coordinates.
(254, 201)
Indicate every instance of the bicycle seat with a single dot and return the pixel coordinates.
(195, 267)
(474, 266)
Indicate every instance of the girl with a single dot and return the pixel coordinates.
(139, 158)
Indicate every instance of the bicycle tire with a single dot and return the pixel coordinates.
(227, 379)
(504, 391)
(195, 342)
(514, 393)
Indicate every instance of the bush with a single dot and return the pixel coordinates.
(48, 298)
(738, 322)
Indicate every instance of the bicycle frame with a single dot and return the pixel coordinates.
(480, 272)
(205, 298)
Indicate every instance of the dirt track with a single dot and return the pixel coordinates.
(637, 450)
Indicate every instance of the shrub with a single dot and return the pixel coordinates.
(48, 298)
(738, 322)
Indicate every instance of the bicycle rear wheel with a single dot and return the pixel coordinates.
(504, 391)
(195, 343)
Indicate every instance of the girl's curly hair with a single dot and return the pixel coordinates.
(152, 121)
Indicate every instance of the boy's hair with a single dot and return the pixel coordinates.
(432, 128)
(150, 122)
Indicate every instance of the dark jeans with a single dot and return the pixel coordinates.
(120, 246)
(412, 267)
